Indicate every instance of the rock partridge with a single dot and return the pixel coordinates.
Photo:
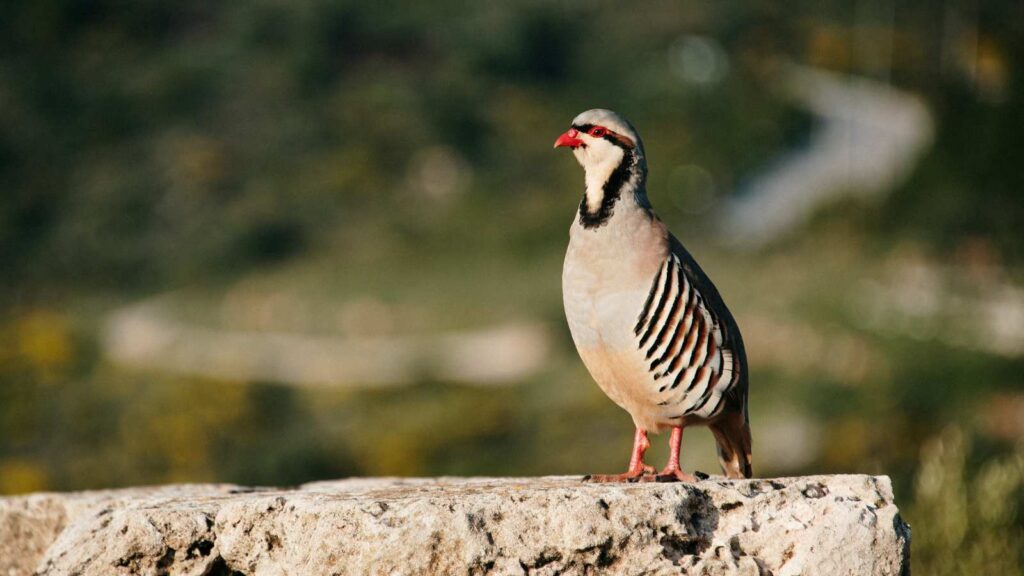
(650, 326)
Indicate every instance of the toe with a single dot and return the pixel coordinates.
(675, 476)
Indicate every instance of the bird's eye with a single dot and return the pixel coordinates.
(598, 131)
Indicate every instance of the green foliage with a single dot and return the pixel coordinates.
(164, 143)
(967, 520)
(963, 189)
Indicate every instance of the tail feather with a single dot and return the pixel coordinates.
(732, 433)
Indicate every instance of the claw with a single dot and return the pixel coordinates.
(638, 471)
(675, 475)
(672, 472)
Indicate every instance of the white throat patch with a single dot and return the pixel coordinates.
(598, 173)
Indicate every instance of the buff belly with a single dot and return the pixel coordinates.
(617, 375)
(601, 316)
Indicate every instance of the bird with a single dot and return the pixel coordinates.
(648, 323)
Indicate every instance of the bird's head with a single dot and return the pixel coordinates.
(600, 139)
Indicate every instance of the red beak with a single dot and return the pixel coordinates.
(569, 139)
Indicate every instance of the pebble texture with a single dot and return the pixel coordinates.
(812, 525)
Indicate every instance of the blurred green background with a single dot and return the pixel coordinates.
(273, 242)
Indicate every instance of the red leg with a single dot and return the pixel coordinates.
(637, 468)
(672, 472)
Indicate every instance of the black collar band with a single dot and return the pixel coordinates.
(610, 192)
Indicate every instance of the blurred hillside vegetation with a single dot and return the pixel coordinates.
(380, 172)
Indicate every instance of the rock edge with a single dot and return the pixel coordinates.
(550, 525)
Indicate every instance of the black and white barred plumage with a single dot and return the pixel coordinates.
(648, 323)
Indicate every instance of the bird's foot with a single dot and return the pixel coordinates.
(674, 475)
(641, 474)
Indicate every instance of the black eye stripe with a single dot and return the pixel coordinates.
(609, 135)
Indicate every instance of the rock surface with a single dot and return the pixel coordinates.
(556, 525)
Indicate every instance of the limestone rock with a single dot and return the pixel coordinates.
(557, 525)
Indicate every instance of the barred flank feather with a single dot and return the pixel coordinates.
(684, 336)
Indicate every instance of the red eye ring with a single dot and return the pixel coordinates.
(598, 131)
